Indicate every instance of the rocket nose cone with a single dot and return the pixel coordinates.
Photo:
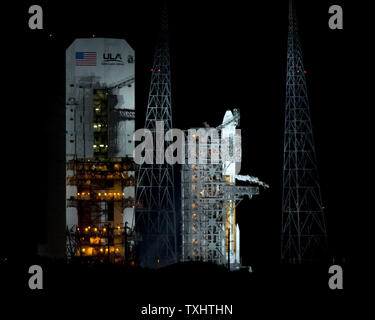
(228, 116)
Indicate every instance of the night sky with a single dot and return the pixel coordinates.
(223, 56)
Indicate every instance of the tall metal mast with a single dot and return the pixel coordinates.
(155, 195)
(303, 230)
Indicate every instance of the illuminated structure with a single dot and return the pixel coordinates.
(100, 114)
(303, 230)
(210, 198)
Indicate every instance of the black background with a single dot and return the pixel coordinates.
(223, 56)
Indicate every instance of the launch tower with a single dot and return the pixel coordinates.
(303, 230)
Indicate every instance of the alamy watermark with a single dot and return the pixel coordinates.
(36, 19)
(203, 145)
(36, 280)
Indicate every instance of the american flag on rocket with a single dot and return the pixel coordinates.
(85, 58)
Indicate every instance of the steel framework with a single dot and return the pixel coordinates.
(209, 200)
(303, 230)
(155, 194)
(99, 233)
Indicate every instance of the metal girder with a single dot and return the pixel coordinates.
(123, 114)
(124, 83)
(238, 192)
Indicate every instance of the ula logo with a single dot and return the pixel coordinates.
(111, 59)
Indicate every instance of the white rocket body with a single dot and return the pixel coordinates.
(229, 170)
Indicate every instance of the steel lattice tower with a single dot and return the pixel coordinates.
(303, 231)
(156, 214)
